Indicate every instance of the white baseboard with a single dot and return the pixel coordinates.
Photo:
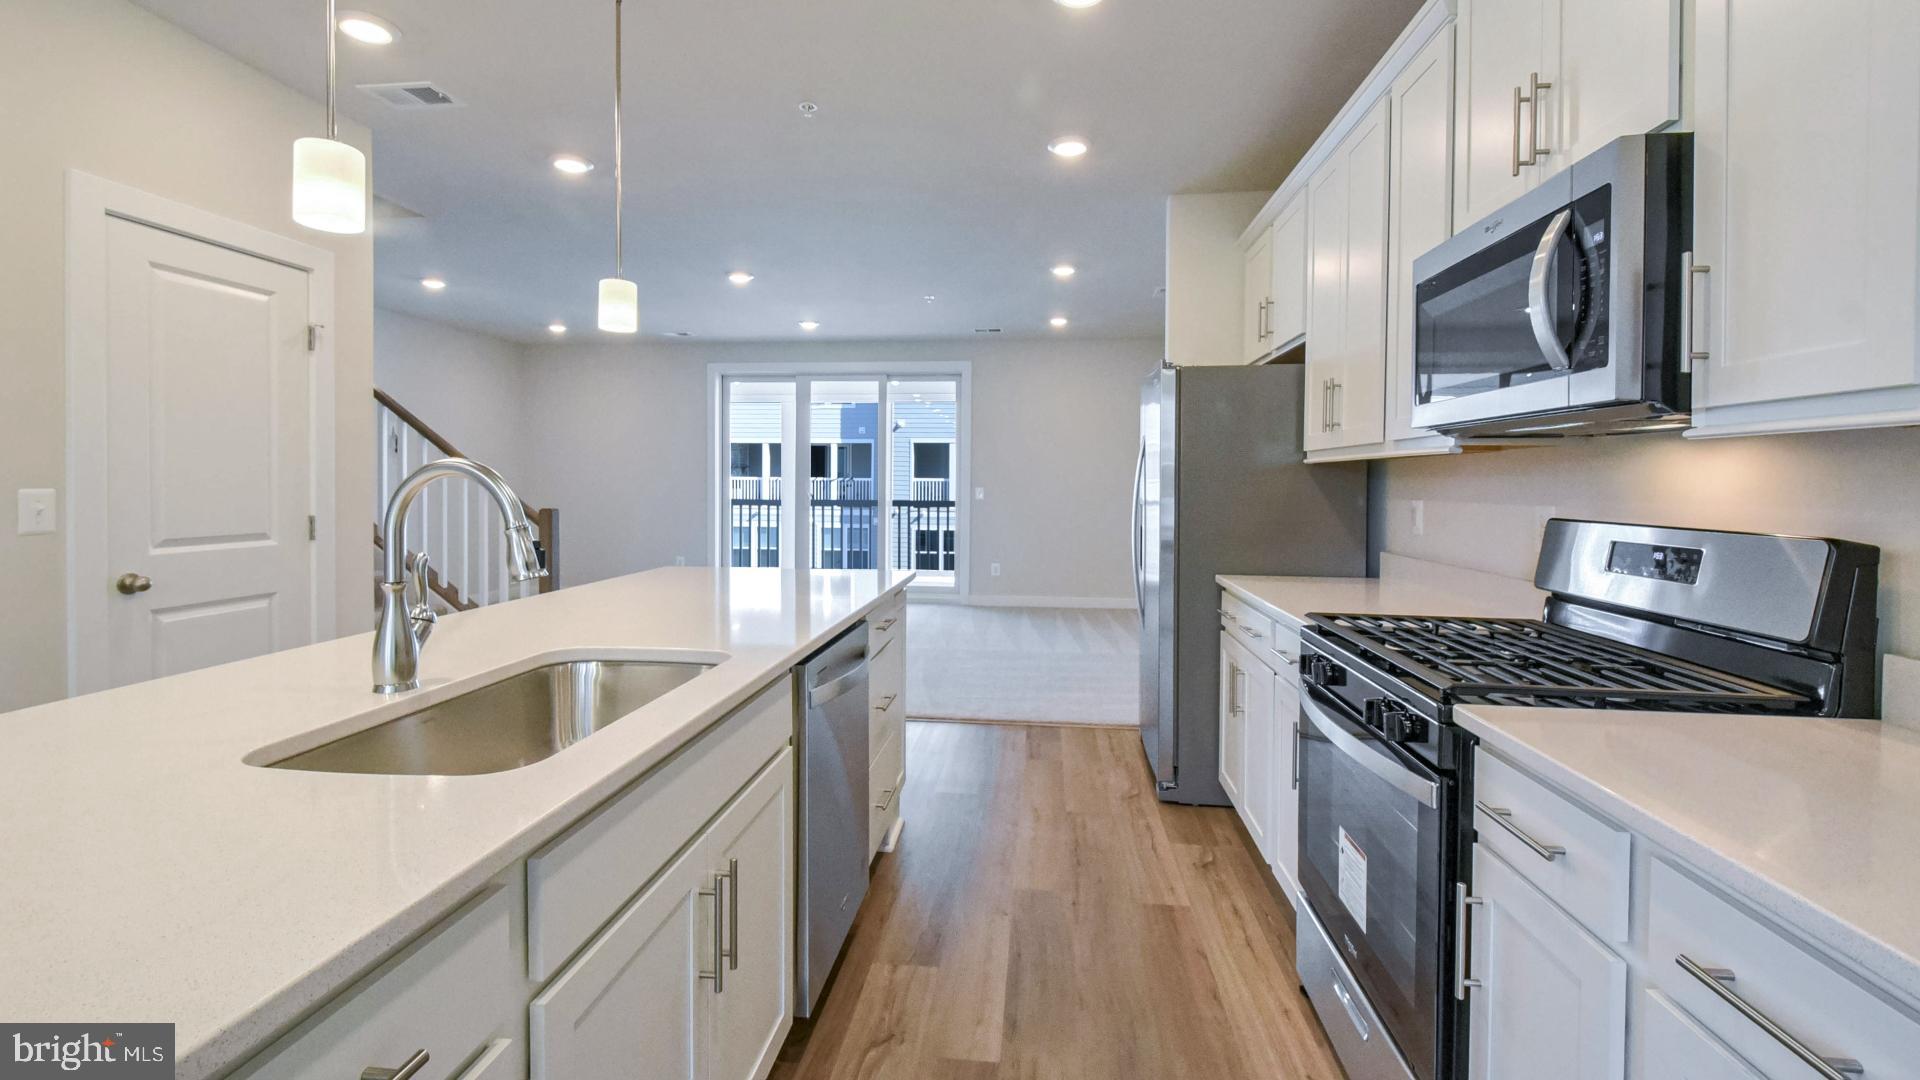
(1118, 603)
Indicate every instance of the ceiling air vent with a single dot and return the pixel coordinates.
(986, 329)
(410, 95)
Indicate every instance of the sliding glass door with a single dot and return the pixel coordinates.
(884, 459)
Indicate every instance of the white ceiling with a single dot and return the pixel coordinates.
(924, 172)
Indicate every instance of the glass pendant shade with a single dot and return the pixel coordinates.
(619, 306)
(329, 186)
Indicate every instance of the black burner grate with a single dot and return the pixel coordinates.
(1526, 661)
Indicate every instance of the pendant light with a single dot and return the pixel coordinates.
(329, 177)
(619, 298)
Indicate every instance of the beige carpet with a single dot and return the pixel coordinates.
(1038, 665)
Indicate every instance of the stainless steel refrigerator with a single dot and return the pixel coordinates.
(1222, 487)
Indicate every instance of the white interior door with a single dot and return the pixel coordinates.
(208, 447)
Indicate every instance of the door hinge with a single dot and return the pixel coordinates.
(313, 336)
(313, 527)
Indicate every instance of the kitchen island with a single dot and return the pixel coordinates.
(157, 872)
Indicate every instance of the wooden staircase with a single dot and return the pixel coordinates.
(453, 521)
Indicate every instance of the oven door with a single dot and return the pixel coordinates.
(1519, 325)
(1372, 850)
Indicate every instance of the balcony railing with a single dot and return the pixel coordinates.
(923, 534)
(843, 530)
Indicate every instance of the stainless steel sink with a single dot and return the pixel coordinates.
(505, 725)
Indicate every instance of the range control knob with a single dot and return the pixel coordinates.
(1395, 722)
(1317, 670)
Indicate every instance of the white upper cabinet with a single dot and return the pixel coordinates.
(1347, 288)
(1287, 305)
(1806, 216)
(1256, 307)
(1545, 82)
(1420, 212)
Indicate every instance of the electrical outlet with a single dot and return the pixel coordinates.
(979, 494)
(36, 511)
(994, 569)
(1419, 517)
(679, 560)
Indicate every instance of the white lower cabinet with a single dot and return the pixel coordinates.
(692, 978)
(1259, 733)
(886, 727)
(1233, 722)
(1678, 1048)
(1550, 999)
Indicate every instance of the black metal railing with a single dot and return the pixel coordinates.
(843, 530)
(842, 533)
(754, 536)
(923, 534)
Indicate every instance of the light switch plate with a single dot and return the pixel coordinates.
(36, 511)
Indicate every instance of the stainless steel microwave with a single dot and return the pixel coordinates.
(1563, 313)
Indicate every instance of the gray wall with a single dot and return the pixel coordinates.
(617, 439)
(107, 88)
(1484, 510)
(464, 385)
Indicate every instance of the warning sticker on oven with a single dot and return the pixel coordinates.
(1353, 878)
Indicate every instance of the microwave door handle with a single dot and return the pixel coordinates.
(1539, 312)
(1385, 768)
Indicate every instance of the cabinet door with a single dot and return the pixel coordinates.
(1500, 45)
(1287, 315)
(1326, 296)
(1674, 1046)
(634, 999)
(1619, 74)
(1256, 788)
(753, 843)
(1233, 724)
(1256, 309)
(1807, 165)
(1421, 209)
(1551, 999)
(1359, 390)
(1285, 830)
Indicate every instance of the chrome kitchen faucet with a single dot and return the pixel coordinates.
(402, 628)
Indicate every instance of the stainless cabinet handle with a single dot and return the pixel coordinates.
(1717, 980)
(1229, 616)
(412, 1065)
(1334, 386)
(718, 976)
(887, 704)
(1534, 150)
(1353, 1011)
(130, 583)
(1461, 984)
(1690, 352)
(886, 802)
(1504, 818)
(1296, 755)
(1271, 332)
(1260, 322)
(733, 914)
(888, 623)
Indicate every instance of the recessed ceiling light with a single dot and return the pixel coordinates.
(809, 110)
(929, 299)
(367, 29)
(1063, 271)
(1076, 3)
(809, 326)
(1058, 322)
(572, 164)
(432, 284)
(1068, 146)
(740, 277)
(556, 328)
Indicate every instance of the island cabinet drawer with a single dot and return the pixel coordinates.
(884, 780)
(885, 624)
(455, 994)
(579, 880)
(1773, 1002)
(1247, 625)
(1283, 651)
(1578, 860)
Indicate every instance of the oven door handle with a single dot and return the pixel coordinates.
(1539, 312)
(1402, 778)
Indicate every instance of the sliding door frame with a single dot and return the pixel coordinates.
(804, 374)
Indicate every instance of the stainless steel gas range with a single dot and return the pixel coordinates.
(1638, 617)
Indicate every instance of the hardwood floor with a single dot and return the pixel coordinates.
(1045, 917)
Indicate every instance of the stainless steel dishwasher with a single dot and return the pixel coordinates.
(833, 823)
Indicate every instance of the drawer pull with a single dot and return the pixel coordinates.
(1229, 616)
(886, 802)
(1249, 631)
(1353, 1011)
(1462, 923)
(1504, 818)
(718, 976)
(887, 624)
(887, 704)
(1718, 980)
(733, 914)
(412, 1065)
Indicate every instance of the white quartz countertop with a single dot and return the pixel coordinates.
(1814, 821)
(1405, 587)
(150, 874)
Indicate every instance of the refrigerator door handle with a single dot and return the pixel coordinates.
(1139, 478)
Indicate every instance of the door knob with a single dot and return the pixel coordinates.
(128, 584)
